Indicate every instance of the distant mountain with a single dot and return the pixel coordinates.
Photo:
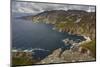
(56, 16)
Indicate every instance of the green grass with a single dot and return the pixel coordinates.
(22, 61)
(22, 58)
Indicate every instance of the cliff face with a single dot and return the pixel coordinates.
(57, 16)
(72, 21)
(66, 56)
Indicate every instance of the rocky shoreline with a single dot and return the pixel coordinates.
(78, 42)
(67, 56)
(74, 54)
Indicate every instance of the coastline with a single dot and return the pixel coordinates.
(76, 52)
(74, 49)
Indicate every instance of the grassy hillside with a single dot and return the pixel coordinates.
(90, 46)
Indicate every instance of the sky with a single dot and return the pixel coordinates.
(33, 7)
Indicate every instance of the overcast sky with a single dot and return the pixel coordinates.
(32, 7)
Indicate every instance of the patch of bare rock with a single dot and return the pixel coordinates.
(66, 56)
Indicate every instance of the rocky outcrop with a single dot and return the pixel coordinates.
(75, 54)
(52, 58)
(66, 56)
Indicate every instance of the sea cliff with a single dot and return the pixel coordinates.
(75, 22)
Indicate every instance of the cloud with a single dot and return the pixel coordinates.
(32, 7)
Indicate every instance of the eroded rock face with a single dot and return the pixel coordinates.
(66, 56)
(70, 56)
(75, 54)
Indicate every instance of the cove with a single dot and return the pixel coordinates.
(27, 35)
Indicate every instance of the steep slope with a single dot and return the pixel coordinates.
(72, 21)
(57, 16)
